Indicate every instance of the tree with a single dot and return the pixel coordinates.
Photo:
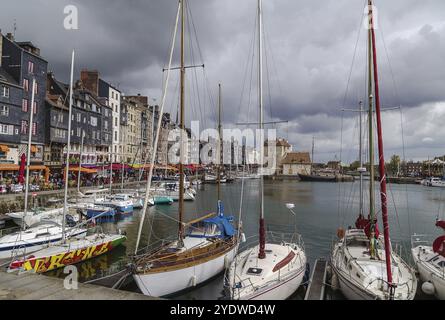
(355, 165)
(394, 165)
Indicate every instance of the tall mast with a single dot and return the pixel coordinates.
(313, 146)
(361, 157)
(371, 141)
(261, 253)
(381, 161)
(219, 149)
(80, 162)
(28, 155)
(181, 126)
(65, 203)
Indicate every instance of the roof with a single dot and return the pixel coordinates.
(297, 158)
(6, 77)
(279, 143)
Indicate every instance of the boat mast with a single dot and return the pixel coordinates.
(361, 158)
(67, 163)
(219, 150)
(312, 160)
(181, 126)
(371, 145)
(28, 156)
(261, 252)
(80, 162)
(381, 161)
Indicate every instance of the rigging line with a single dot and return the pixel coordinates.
(353, 58)
(246, 71)
(339, 185)
(404, 159)
(267, 75)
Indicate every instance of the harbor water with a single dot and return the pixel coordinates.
(320, 209)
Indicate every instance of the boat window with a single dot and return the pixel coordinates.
(357, 242)
(254, 271)
(441, 263)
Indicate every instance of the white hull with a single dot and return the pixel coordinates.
(167, 283)
(269, 285)
(428, 272)
(362, 278)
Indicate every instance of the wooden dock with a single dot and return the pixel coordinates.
(31, 286)
(316, 288)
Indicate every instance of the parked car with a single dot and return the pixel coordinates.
(16, 188)
(3, 188)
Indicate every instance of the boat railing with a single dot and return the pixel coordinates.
(420, 239)
(274, 237)
(4, 232)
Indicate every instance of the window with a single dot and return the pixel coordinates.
(94, 134)
(79, 117)
(6, 129)
(93, 121)
(106, 124)
(84, 119)
(25, 105)
(24, 127)
(30, 67)
(94, 107)
(35, 107)
(98, 135)
(5, 91)
(34, 128)
(115, 122)
(60, 117)
(25, 85)
(4, 111)
(115, 135)
(36, 91)
(78, 132)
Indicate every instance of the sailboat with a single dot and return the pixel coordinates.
(71, 249)
(204, 246)
(274, 268)
(360, 266)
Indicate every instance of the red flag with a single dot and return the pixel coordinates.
(22, 169)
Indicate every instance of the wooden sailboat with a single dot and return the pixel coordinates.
(272, 269)
(203, 246)
(361, 267)
(72, 248)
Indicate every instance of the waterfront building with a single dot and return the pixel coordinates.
(20, 63)
(91, 118)
(295, 163)
(279, 152)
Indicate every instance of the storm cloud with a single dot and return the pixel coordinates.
(309, 47)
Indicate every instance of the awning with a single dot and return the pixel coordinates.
(4, 148)
(33, 149)
(82, 170)
(16, 167)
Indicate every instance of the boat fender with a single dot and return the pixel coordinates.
(243, 237)
(334, 282)
(328, 271)
(193, 280)
(340, 233)
(428, 288)
(307, 275)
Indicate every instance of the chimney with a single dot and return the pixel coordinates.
(10, 36)
(90, 80)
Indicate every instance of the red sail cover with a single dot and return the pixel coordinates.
(439, 246)
(364, 224)
(440, 224)
(22, 169)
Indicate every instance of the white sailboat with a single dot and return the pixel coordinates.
(361, 268)
(430, 262)
(274, 268)
(203, 247)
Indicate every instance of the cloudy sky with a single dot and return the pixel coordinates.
(309, 57)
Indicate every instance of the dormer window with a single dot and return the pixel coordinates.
(30, 67)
